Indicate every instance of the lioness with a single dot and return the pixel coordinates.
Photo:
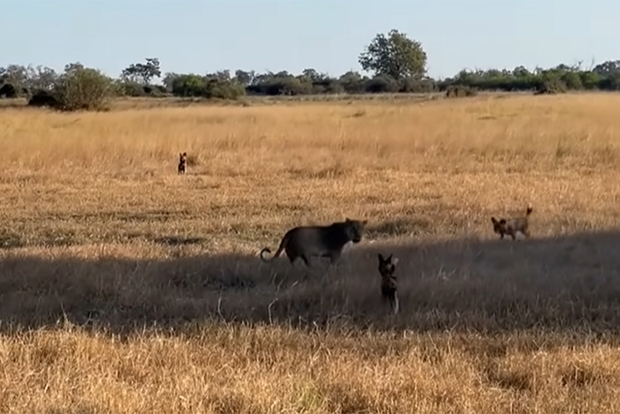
(321, 241)
(512, 225)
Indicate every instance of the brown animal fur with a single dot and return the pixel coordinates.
(387, 267)
(322, 241)
(182, 162)
(512, 226)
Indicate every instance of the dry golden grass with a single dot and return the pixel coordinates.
(127, 288)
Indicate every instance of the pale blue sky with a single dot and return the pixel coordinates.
(207, 35)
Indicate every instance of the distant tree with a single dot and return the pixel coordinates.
(81, 88)
(590, 80)
(40, 78)
(520, 71)
(610, 82)
(572, 80)
(142, 73)
(314, 76)
(188, 85)
(73, 67)
(16, 75)
(410, 85)
(245, 78)
(220, 85)
(607, 68)
(352, 82)
(394, 55)
(382, 84)
(168, 80)
(223, 75)
(214, 85)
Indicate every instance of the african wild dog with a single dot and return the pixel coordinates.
(182, 162)
(512, 226)
(387, 267)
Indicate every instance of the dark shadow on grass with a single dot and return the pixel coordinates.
(565, 284)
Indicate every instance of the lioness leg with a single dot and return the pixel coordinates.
(334, 256)
(333, 261)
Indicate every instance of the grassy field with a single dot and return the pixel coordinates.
(127, 288)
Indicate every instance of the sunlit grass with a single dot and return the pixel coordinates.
(151, 281)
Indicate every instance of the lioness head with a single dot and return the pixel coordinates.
(355, 228)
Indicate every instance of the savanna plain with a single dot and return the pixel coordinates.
(127, 288)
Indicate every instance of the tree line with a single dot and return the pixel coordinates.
(394, 63)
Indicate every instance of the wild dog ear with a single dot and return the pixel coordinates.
(185, 154)
(347, 220)
(381, 259)
(493, 220)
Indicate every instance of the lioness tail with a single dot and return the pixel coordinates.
(277, 253)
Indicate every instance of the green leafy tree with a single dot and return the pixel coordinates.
(142, 73)
(81, 88)
(245, 78)
(607, 68)
(40, 77)
(394, 55)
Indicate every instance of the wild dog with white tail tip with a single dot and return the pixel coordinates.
(512, 226)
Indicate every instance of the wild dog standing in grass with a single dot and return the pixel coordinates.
(387, 267)
(512, 226)
(321, 241)
(182, 162)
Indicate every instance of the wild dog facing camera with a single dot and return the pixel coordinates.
(182, 162)
(387, 268)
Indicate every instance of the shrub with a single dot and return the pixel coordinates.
(42, 98)
(223, 89)
(131, 89)
(282, 85)
(460, 91)
(8, 91)
(84, 89)
(551, 86)
(189, 85)
(412, 85)
(382, 84)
